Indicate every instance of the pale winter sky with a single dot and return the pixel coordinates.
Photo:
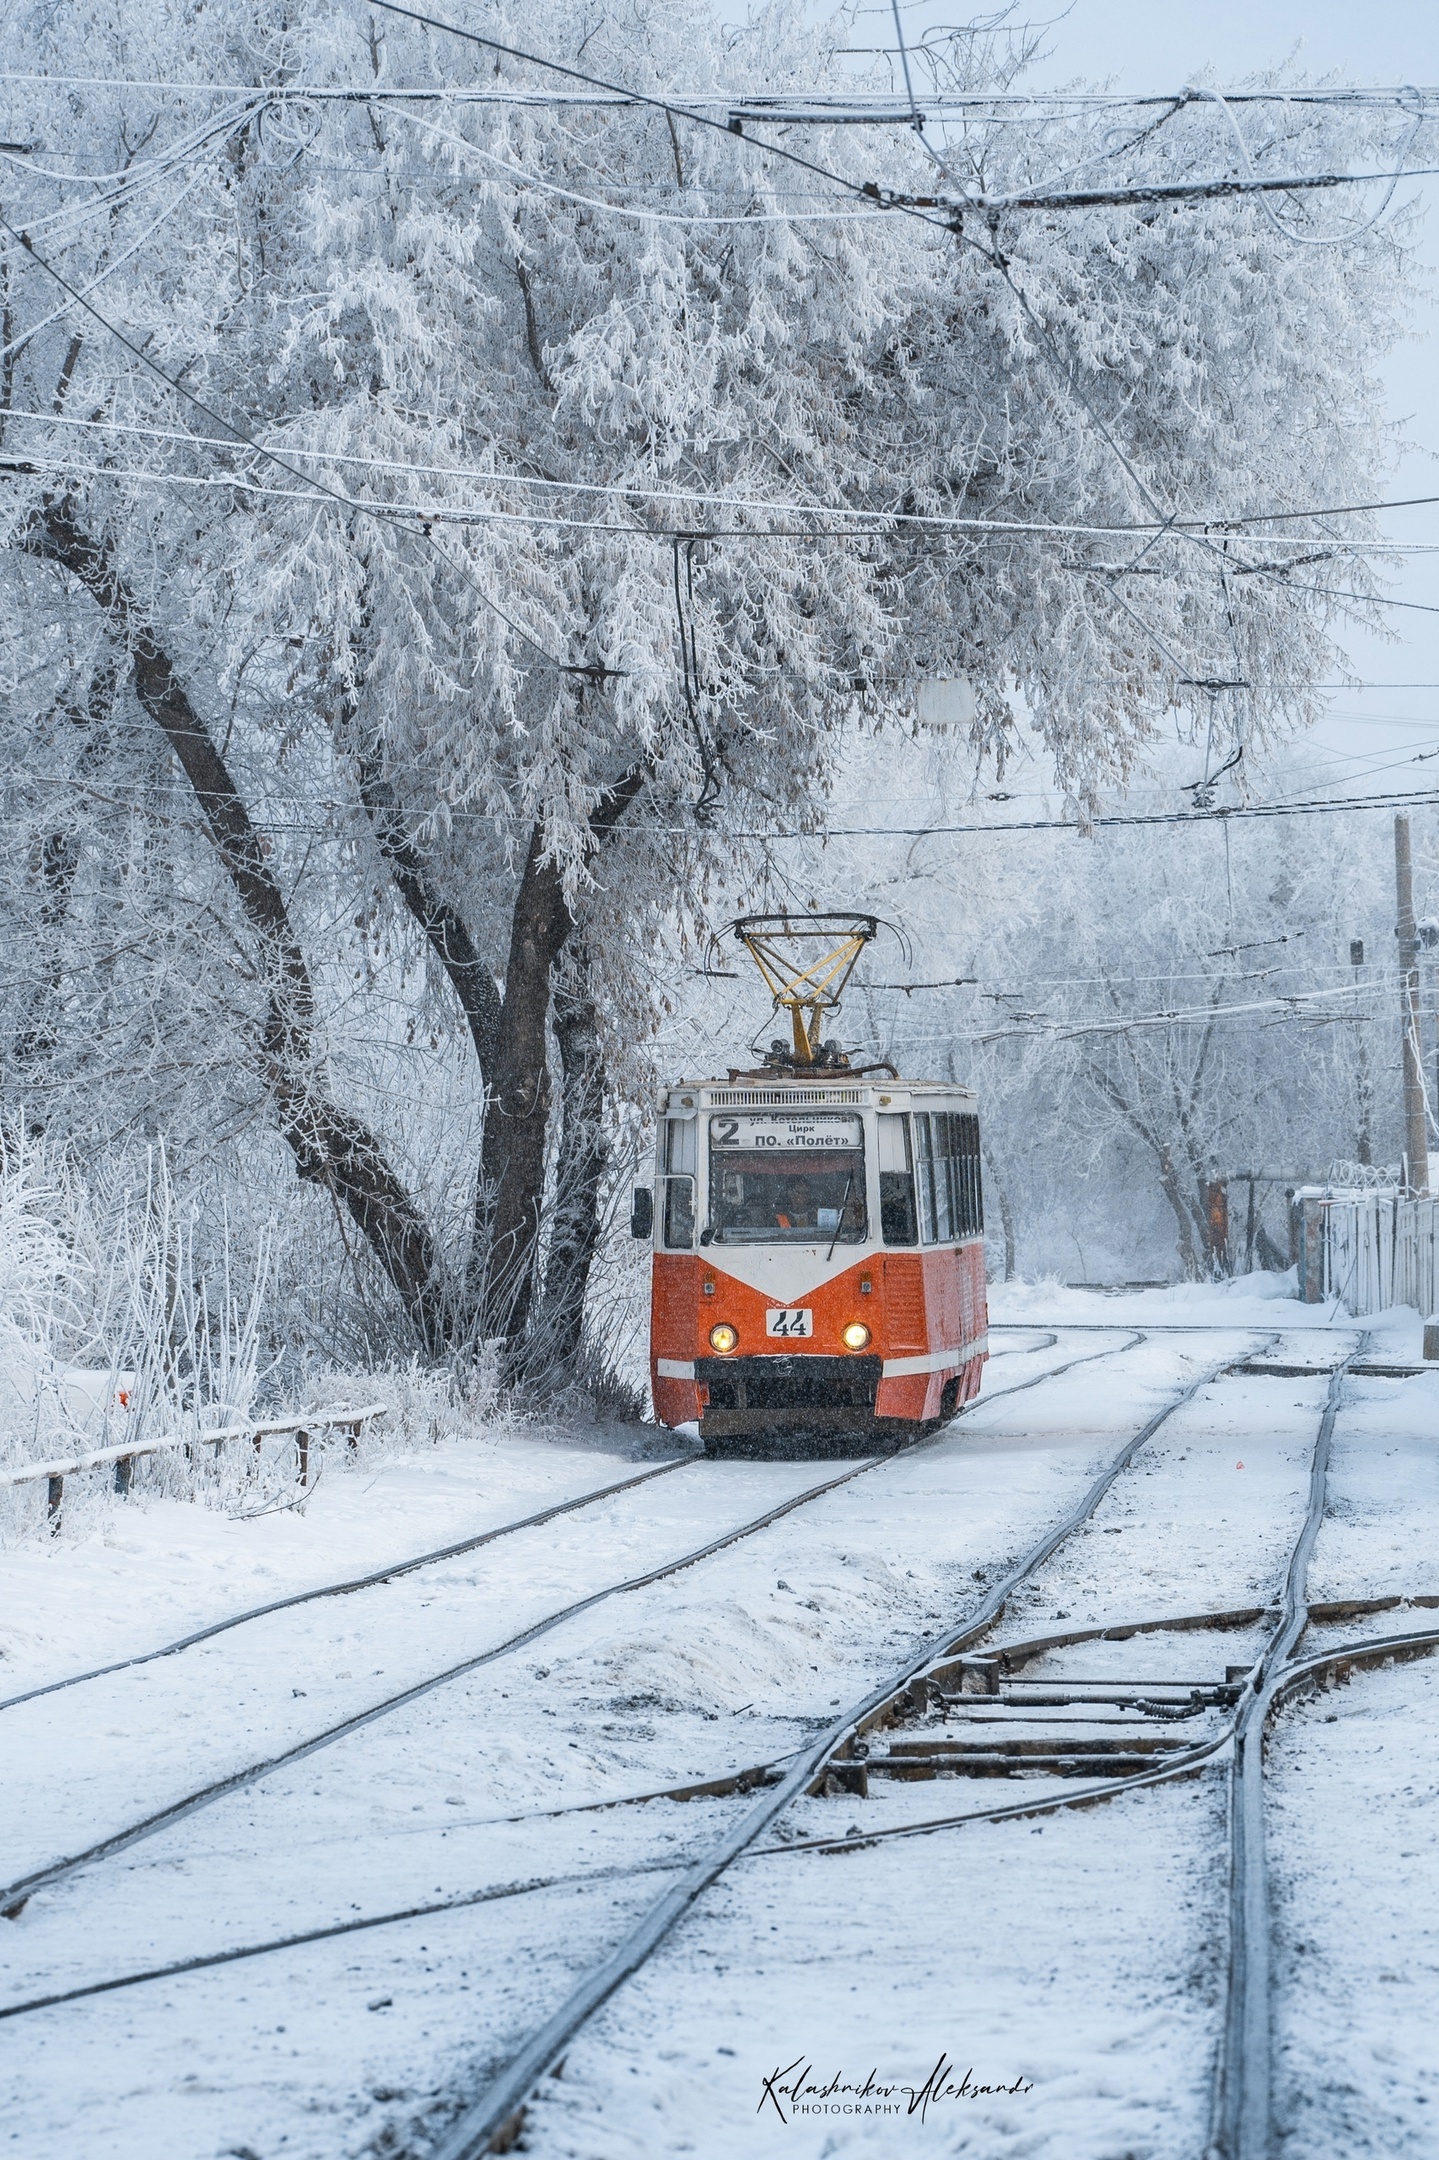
(1148, 45)
(1141, 45)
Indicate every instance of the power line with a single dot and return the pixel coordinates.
(638, 97)
(1328, 592)
(643, 213)
(662, 104)
(882, 524)
(1157, 191)
(1007, 102)
(1045, 106)
(866, 190)
(634, 830)
(1194, 818)
(885, 198)
(1290, 1004)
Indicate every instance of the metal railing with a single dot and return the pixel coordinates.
(125, 1453)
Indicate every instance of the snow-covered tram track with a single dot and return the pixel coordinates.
(16, 1894)
(526, 1881)
(1307, 1675)
(347, 1588)
(491, 2121)
(1014, 1654)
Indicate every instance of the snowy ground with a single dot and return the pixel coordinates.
(1077, 1959)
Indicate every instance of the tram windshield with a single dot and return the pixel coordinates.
(787, 1177)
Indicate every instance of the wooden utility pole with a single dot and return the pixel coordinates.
(1364, 1088)
(1416, 1133)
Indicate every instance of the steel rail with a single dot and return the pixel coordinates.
(451, 1552)
(1367, 1651)
(490, 2120)
(1025, 1651)
(492, 1894)
(1027, 1350)
(1240, 2114)
(1160, 1327)
(344, 1589)
(1136, 1335)
(14, 1895)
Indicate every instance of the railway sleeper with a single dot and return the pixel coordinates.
(1217, 1695)
(1053, 1763)
(971, 1674)
(849, 1774)
(1023, 1745)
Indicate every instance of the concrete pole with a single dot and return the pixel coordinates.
(1416, 1135)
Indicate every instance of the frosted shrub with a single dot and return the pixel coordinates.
(43, 1293)
(109, 1328)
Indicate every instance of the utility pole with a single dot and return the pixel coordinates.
(1427, 933)
(1363, 1086)
(1416, 1133)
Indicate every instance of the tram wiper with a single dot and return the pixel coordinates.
(848, 1186)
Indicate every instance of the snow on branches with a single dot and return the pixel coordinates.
(453, 512)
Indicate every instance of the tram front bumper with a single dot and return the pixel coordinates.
(794, 1394)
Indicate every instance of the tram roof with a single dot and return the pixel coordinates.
(833, 1090)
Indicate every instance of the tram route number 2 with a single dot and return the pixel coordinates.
(789, 1320)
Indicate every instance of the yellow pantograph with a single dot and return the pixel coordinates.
(804, 987)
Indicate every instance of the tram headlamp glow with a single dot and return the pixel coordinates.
(856, 1336)
(724, 1338)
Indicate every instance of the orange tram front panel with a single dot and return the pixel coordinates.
(819, 1260)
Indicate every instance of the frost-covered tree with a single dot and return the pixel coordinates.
(1148, 1010)
(458, 513)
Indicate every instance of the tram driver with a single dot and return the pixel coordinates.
(796, 1210)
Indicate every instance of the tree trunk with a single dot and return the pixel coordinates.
(445, 930)
(512, 1164)
(583, 1157)
(59, 862)
(330, 1147)
(1216, 1224)
(510, 1194)
(1172, 1185)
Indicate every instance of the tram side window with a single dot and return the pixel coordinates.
(947, 1161)
(967, 1170)
(896, 1183)
(679, 1209)
(933, 1186)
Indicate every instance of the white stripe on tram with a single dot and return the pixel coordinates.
(668, 1368)
(935, 1360)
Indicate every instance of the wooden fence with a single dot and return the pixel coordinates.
(124, 1455)
(1370, 1250)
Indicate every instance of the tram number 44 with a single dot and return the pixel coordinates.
(789, 1320)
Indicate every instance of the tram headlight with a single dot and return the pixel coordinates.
(725, 1338)
(856, 1336)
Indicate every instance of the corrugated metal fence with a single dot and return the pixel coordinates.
(1368, 1249)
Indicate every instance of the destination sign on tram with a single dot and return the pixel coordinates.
(786, 1130)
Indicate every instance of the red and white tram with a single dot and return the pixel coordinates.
(818, 1233)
